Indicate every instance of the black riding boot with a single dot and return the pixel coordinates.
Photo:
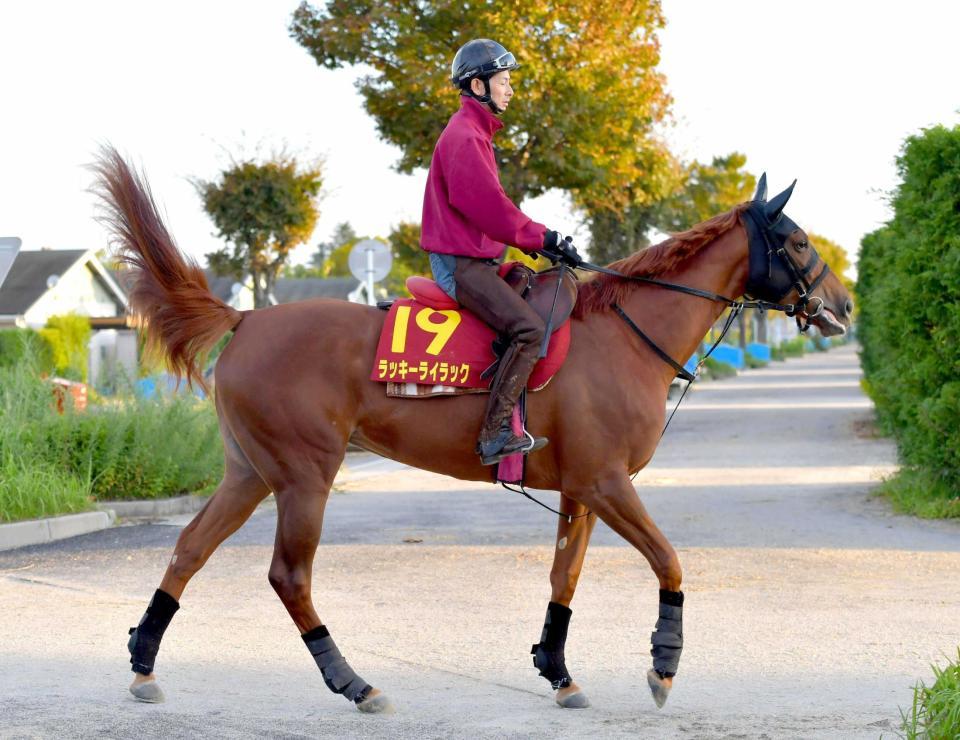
(497, 439)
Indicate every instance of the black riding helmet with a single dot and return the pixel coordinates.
(480, 58)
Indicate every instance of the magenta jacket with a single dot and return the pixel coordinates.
(465, 211)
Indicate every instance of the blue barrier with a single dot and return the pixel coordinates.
(759, 351)
(691, 364)
(165, 386)
(730, 355)
(146, 387)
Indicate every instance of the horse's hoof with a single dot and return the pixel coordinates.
(149, 692)
(575, 700)
(377, 704)
(658, 687)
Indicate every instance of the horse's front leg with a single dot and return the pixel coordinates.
(573, 536)
(614, 499)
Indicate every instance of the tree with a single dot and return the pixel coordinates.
(263, 211)
(588, 97)
(834, 255)
(706, 191)
(342, 234)
(694, 192)
(404, 242)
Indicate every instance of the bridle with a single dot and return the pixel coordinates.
(772, 276)
(773, 271)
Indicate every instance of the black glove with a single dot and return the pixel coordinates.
(561, 249)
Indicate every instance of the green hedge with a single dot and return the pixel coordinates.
(909, 325)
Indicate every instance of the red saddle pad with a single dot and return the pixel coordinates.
(448, 346)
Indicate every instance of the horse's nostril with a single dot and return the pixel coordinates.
(848, 307)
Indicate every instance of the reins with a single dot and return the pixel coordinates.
(797, 276)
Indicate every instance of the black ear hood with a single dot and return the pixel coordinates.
(774, 208)
(767, 229)
(761, 193)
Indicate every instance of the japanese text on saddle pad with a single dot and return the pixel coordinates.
(422, 345)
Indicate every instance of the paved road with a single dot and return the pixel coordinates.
(811, 608)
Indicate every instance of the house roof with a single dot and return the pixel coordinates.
(27, 279)
(288, 290)
(221, 287)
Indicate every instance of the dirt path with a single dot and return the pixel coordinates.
(811, 609)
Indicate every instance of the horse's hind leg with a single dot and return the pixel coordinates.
(548, 655)
(299, 523)
(230, 506)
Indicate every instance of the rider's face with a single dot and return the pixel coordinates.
(500, 90)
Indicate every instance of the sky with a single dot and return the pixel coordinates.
(824, 92)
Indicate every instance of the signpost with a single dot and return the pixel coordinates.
(9, 247)
(370, 262)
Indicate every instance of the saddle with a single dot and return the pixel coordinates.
(538, 289)
(430, 345)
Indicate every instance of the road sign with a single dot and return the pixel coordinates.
(369, 262)
(9, 247)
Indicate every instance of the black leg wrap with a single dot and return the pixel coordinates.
(667, 641)
(548, 653)
(145, 638)
(337, 674)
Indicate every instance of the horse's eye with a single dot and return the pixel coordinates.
(801, 245)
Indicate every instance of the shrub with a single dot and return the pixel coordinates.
(68, 336)
(909, 324)
(935, 711)
(795, 347)
(140, 448)
(132, 448)
(753, 363)
(717, 369)
(31, 485)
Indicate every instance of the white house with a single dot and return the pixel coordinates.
(52, 282)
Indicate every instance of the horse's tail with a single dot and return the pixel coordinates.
(168, 292)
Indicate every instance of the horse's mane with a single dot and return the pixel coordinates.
(602, 291)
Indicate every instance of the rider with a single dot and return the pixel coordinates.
(468, 220)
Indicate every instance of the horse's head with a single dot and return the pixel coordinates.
(786, 269)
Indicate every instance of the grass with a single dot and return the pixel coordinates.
(920, 492)
(31, 491)
(935, 711)
(129, 448)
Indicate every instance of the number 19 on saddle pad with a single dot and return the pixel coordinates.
(449, 348)
(423, 345)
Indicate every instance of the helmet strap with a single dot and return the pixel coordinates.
(486, 99)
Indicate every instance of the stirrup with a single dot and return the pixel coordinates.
(513, 445)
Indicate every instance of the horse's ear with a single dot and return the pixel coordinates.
(761, 193)
(774, 208)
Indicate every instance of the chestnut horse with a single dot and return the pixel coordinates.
(293, 388)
